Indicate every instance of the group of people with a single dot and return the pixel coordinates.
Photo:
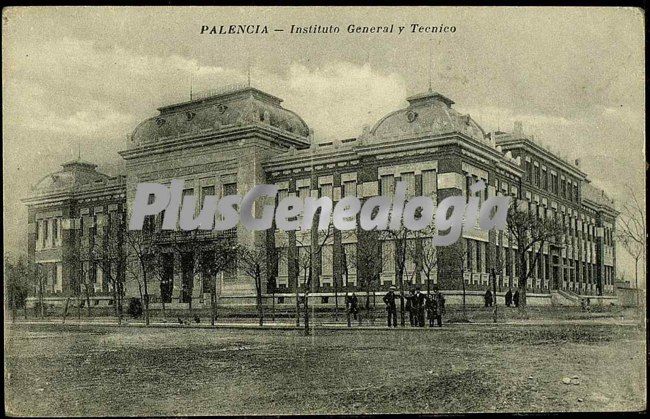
(416, 305)
(512, 299)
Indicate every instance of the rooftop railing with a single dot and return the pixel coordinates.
(219, 91)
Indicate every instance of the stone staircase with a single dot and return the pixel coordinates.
(564, 298)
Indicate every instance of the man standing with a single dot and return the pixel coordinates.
(391, 307)
(439, 308)
(515, 298)
(488, 298)
(432, 307)
(353, 305)
(509, 298)
(417, 305)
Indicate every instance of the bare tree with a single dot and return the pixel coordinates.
(400, 239)
(529, 232)
(317, 240)
(459, 254)
(255, 261)
(220, 256)
(142, 248)
(110, 253)
(368, 263)
(425, 253)
(632, 232)
(82, 265)
(16, 284)
(37, 277)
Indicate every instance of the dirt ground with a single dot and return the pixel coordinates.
(93, 370)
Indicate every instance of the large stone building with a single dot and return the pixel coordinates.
(227, 141)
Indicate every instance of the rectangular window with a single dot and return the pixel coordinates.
(282, 193)
(326, 190)
(229, 189)
(537, 176)
(283, 263)
(46, 231)
(553, 183)
(469, 181)
(349, 188)
(388, 256)
(59, 277)
(387, 185)
(327, 260)
(206, 191)
(304, 192)
(508, 261)
(350, 250)
(409, 179)
(429, 183)
(187, 192)
(303, 264)
(55, 229)
(544, 179)
(479, 262)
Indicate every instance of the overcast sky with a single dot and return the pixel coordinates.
(85, 77)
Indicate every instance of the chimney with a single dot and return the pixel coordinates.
(578, 162)
(519, 128)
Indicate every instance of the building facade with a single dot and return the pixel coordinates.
(227, 141)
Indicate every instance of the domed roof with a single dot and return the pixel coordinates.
(237, 106)
(74, 173)
(428, 113)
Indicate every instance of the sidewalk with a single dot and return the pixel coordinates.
(319, 326)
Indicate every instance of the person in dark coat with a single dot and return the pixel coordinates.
(488, 298)
(509, 298)
(391, 307)
(515, 299)
(353, 305)
(438, 308)
(409, 307)
(432, 308)
(417, 306)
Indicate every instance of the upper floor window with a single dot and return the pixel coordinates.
(205, 192)
(349, 188)
(229, 189)
(55, 229)
(544, 179)
(326, 190)
(409, 180)
(554, 183)
(387, 185)
(429, 182)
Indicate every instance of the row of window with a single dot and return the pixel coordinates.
(150, 224)
(48, 233)
(538, 176)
